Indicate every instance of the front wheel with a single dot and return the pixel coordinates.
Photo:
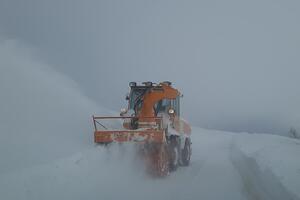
(186, 152)
(174, 156)
(157, 160)
(162, 162)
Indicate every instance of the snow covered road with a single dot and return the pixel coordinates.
(99, 173)
(211, 174)
(220, 168)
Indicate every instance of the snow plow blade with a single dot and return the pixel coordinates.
(128, 136)
(151, 132)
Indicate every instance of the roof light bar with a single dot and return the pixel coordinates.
(148, 83)
(132, 84)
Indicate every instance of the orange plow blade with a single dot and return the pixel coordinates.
(151, 133)
(152, 140)
(128, 136)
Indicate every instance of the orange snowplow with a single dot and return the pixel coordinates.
(153, 121)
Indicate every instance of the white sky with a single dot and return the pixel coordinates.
(237, 62)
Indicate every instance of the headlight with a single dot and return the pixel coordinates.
(123, 111)
(171, 111)
(148, 83)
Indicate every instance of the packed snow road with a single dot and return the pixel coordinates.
(211, 174)
(114, 174)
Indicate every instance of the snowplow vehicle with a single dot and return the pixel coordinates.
(152, 120)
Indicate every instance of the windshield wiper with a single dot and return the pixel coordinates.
(139, 99)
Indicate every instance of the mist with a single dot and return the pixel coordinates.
(46, 140)
(46, 136)
(236, 63)
(39, 104)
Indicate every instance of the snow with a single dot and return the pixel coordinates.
(44, 116)
(116, 173)
(47, 149)
(275, 159)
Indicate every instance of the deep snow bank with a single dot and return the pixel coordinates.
(43, 114)
(269, 165)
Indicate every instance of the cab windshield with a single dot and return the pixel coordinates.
(162, 105)
(135, 97)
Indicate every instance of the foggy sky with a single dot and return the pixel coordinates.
(236, 62)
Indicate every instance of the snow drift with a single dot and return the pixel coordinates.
(44, 116)
(269, 165)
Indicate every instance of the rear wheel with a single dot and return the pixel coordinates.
(186, 152)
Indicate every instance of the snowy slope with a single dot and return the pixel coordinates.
(47, 151)
(269, 164)
(44, 116)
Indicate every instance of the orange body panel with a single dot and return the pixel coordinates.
(152, 132)
(152, 97)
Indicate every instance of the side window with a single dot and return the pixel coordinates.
(165, 104)
(175, 105)
(178, 105)
(162, 105)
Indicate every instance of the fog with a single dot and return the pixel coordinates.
(236, 62)
(47, 149)
(44, 116)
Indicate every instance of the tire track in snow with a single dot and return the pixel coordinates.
(211, 174)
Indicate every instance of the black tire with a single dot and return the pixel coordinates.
(156, 158)
(174, 157)
(134, 123)
(162, 162)
(174, 152)
(186, 153)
